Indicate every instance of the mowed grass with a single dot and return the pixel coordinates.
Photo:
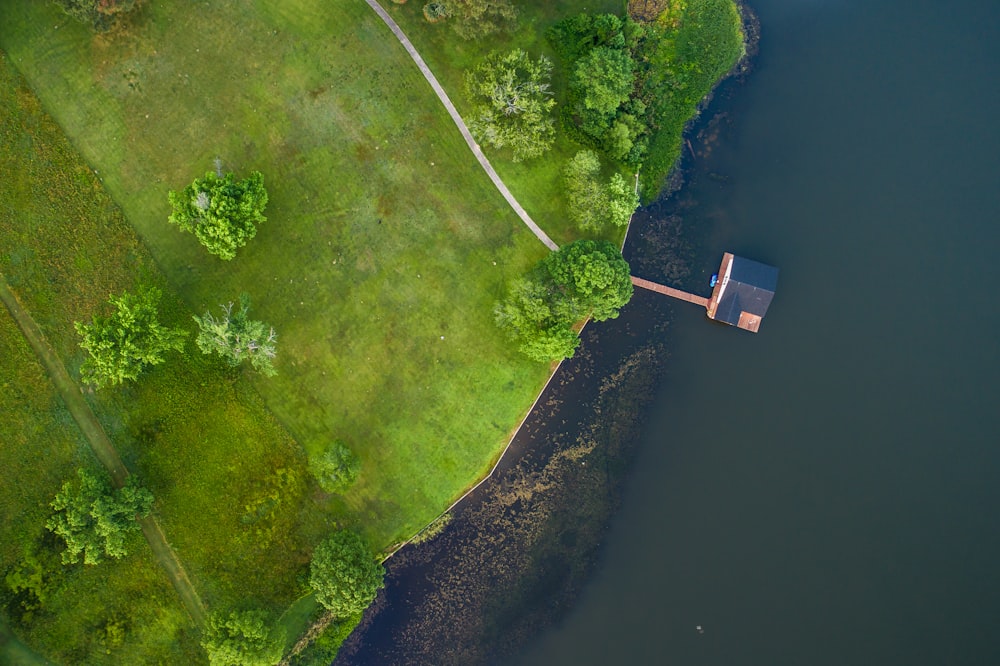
(68, 617)
(385, 248)
(537, 183)
(232, 492)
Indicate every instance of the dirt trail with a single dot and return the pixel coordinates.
(102, 447)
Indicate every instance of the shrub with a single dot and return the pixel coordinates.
(242, 638)
(336, 468)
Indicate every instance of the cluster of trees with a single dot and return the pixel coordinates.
(121, 345)
(582, 279)
(345, 577)
(593, 204)
(606, 104)
(94, 519)
(512, 103)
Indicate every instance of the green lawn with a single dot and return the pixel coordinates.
(385, 246)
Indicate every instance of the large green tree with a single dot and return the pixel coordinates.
(122, 344)
(222, 212)
(512, 103)
(242, 638)
(344, 574)
(582, 279)
(94, 519)
(237, 338)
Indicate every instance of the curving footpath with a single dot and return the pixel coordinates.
(473, 146)
(102, 447)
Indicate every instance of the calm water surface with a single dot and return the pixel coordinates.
(827, 492)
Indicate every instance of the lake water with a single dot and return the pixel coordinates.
(828, 490)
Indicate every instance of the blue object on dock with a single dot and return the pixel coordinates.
(715, 278)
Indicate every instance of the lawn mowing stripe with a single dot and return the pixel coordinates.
(453, 112)
(102, 447)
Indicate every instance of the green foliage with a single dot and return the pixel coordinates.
(336, 468)
(604, 80)
(592, 205)
(220, 211)
(323, 650)
(237, 338)
(99, 14)
(344, 574)
(583, 279)
(475, 19)
(242, 638)
(95, 519)
(123, 344)
(512, 103)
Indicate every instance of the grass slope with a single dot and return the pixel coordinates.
(72, 607)
(200, 439)
(385, 246)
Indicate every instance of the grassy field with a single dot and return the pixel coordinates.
(68, 612)
(385, 246)
(384, 251)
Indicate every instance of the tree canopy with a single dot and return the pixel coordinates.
(220, 211)
(512, 103)
(344, 574)
(123, 344)
(237, 338)
(94, 519)
(591, 204)
(242, 638)
(583, 279)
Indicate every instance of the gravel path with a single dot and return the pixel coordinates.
(473, 146)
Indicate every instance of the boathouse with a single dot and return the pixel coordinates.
(743, 292)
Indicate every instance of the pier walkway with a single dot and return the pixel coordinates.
(670, 291)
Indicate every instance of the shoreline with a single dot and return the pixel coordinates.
(420, 558)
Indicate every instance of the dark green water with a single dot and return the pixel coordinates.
(827, 491)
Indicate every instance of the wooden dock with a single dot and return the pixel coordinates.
(670, 291)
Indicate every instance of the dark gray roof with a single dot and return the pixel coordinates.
(750, 289)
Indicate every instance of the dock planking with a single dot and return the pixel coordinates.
(670, 291)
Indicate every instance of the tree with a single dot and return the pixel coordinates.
(474, 19)
(123, 344)
(344, 574)
(336, 468)
(242, 638)
(94, 519)
(99, 14)
(237, 338)
(512, 103)
(592, 205)
(592, 279)
(604, 80)
(580, 280)
(220, 211)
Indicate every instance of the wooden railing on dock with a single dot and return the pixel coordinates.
(670, 291)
